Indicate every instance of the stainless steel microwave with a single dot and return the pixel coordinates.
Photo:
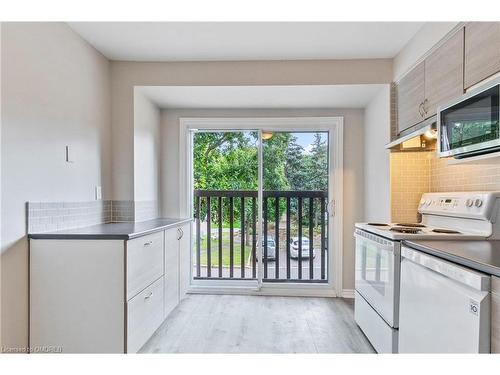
(470, 125)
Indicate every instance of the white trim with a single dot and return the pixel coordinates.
(297, 291)
(335, 126)
(347, 293)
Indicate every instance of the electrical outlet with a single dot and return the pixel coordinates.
(98, 193)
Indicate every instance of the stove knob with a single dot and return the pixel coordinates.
(469, 202)
(428, 202)
(478, 202)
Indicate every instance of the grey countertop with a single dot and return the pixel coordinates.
(112, 231)
(483, 256)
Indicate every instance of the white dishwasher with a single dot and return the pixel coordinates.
(444, 307)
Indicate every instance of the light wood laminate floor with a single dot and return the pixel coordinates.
(259, 324)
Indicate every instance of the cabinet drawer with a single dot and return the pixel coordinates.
(144, 262)
(144, 315)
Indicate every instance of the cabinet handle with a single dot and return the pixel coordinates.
(149, 243)
(423, 105)
(149, 295)
(420, 109)
(182, 233)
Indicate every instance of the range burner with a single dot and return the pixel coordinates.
(379, 224)
(411, 225)
(406, 230)
(448, 231)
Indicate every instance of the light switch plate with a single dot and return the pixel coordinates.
(98, 193)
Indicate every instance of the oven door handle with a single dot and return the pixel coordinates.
(382, 246)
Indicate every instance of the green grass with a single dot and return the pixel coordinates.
(214, 261)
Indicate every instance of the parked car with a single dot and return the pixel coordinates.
(294, 248)
(271, 248)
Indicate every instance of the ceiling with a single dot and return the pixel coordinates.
(261, 97)
(209, 41)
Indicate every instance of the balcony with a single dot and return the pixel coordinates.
(294, 233)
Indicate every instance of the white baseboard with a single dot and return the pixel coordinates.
(347, 293)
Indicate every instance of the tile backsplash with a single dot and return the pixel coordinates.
(414, 173)
(410, 177)
(464, 177)
(53, 216)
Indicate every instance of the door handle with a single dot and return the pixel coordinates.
(423, 105)
(330, 208)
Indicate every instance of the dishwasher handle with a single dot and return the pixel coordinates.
(474, 279)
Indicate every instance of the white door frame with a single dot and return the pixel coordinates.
(335, 127)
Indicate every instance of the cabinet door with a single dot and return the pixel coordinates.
(185, 259)
(171, 269)
(495, 314)
(482, 51)
(410, 96)
(444, 73)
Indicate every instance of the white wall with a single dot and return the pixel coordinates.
(430, 34)
(353, 164)
(126, 75)
(376, 158)
(146, 149)
(55, 92)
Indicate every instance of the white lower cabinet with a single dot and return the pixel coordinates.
(185, 260)
(144, 315)
(144, 262)
(171, 269)
(177, 265)
(105, 296)
(495, 314)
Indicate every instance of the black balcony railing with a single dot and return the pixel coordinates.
(294, 235)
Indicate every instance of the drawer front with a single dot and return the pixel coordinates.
(144, 262)
(144, 315)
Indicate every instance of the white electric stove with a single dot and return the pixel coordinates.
(445, 216)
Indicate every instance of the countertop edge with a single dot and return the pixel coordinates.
(103, 236)
(478, 266)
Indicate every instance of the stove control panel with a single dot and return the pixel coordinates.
(475, 205)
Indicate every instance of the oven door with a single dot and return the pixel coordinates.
(377, 274)
(470, 125)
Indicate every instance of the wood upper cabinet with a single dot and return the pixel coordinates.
(482, 51)
(444, 70)
(434, 81)
(410, 96)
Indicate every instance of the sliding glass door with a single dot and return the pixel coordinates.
(226, 186)
(295, 193)
(235, 173)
